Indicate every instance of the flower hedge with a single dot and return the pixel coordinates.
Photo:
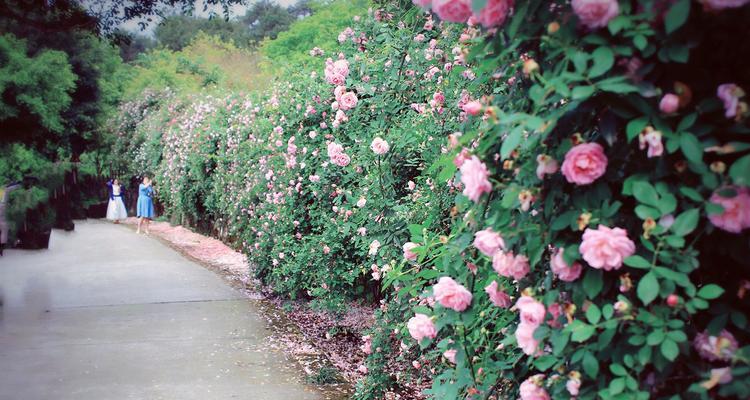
(549, 199)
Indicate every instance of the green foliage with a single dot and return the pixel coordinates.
(36, 86)
(178, 31)
(291, 48)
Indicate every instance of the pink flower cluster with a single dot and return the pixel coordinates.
(595, 14)
(736, 214)
(336, 71)
(420, 326)
(491, 15)
(532, 315)
(533, 388)
(509, 265)
(337, 155)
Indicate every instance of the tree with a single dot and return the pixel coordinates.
(178, 31)
(266, 19)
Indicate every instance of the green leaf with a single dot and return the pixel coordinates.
(710, 291)
(582, 92)
(510, 143)
(593, 313)
(604, 59)
(592, 283)
(686, 222)
(740, 171)
(677, 15)
(637, 261)
(669, 349)
(635, 127)
(691, 147)
(618, 369)
(648, 288)
(581, 331)
(544, 363)
(616, 386)
(691, 193)
(645, 193)
(590, 365)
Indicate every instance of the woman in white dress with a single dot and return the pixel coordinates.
(116, 209)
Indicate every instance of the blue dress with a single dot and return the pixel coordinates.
(145, 207)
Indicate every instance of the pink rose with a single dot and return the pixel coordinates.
(474, 176)
(723, 4)
(546, 165)
(408, 253)
(525, 339)
(451, 294)
(461, 157)
(452, 10)
(595, 13)
(473, 107)
(488, 242)
(573, 385)
(716, 348)
(494, 13)
(532, 311)
(651, 138)
(669, 103)
(339, 91)
(421, 326)
(730, 94)
(366, 344)
(736, 214)
(379, 146)
(450, 355)
(605, 248)
(497, 296)
(422, 3)
(564, 272)
(584, 163)
(340, 159)
(510, 266)
(533, 388)
(348, 101)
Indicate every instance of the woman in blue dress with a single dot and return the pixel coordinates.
(145, 206)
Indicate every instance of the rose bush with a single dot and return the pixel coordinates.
(546, 199)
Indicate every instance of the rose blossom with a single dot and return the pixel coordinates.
(573, 385)
(452, 10)
(422, 3)
(498, 297)
(546, 165)
(488, 242)
(736, 214)
(606, 248)
(472, 108)
(474, 176)
(367, 344)
(525, 339)
(421, 326)
(715, 348)
(408, 253)
(723, 4)
(669, 103)
(451, 294)
(341, 159)
(730, 94)
(510, 266)
(450, 355)
(595, 13)
(533, 388)
(361, 202)
(564, 272)
(494, 13)
(532, 311)
(584, 163)
(348, 101)
(373, 249)
(379, 146)
(651, 138)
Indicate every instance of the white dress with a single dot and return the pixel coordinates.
(116, 208)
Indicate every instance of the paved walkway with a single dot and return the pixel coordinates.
(106, 314)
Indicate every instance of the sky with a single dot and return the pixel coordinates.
(134, 27)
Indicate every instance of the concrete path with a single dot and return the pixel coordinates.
(106, 314)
